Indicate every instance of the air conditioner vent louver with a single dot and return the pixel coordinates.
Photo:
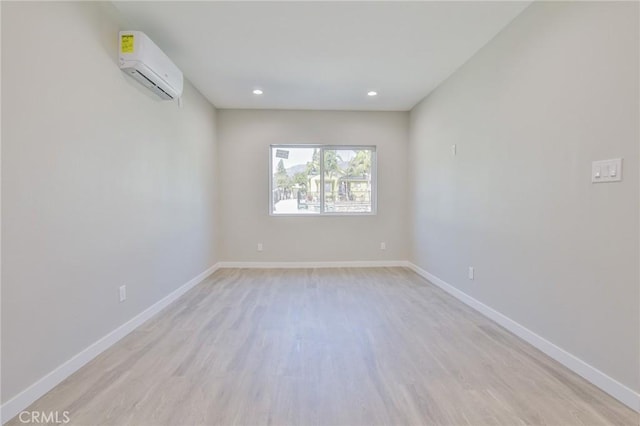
(146, 78)
(151, 85)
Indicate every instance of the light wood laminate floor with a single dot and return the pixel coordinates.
(343, 346)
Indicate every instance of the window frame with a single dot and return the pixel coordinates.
(321, 148)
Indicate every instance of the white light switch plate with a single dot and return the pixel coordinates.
(606, 170)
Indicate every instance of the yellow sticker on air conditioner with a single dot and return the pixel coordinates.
(126, 43)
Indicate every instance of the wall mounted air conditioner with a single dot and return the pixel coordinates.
(143, 60)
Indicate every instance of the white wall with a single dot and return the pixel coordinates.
(557, 89)
(244, 138)
(102, 185)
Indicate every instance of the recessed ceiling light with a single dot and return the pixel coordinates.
(372, 93)
(257, 92)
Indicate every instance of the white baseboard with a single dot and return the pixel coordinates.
(611, 386)
(338, 264)
(25, 398)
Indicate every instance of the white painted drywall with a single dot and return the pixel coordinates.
(557, 89)
(102, 185)
(244, 138)
(321, 55)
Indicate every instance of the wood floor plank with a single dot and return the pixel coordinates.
(365, 346)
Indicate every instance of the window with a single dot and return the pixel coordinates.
(322, 180)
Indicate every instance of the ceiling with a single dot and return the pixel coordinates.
(319, 55)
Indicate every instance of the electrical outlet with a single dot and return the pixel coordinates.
(259, 246)
(383, 246)
(454, 150)
(471, 272)
(123, 293)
